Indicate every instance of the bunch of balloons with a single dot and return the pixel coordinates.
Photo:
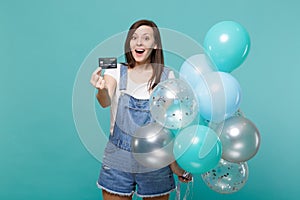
(197, 117)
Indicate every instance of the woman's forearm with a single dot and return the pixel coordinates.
(103, 98)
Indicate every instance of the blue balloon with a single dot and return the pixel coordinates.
(227, 43)
(197, 149)
(218, 95)
(195, 67)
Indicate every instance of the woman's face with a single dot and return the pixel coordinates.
(141, 44)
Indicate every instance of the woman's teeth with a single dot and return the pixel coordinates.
(139, 51)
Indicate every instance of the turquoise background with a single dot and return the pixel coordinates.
(44, 42)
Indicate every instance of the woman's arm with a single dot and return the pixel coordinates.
(106, 86)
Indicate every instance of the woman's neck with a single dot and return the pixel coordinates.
(141, 73)
(145, 67)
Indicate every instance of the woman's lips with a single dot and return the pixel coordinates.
(139, 51)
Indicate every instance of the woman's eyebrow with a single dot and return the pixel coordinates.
(135, 34)
(142, 34)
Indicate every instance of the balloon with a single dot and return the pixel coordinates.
(194, 67)
(197, 149)
(228, 44)
(240, 139)
(218, 95)
(200, 121)
(173, 104)
(227, 177)
(152, 146)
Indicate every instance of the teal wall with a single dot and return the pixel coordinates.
(43, 44)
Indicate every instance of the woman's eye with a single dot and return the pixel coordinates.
(133, 37)
(147, 38)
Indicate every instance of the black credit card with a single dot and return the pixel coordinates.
(108, 63)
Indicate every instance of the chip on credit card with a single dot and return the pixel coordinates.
(108, 63)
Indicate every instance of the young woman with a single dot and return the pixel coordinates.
(127, 90)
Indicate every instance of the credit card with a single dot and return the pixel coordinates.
(108, 63)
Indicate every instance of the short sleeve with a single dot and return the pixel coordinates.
(115, 73)
(171, 74)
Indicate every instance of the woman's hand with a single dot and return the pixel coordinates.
(97, 80)
(183, 176)
(106, 86)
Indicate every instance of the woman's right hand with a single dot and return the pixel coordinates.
(97, 80)
(105, 85)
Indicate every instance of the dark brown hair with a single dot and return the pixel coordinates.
(156, 57)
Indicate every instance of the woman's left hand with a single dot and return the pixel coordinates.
(183, 176)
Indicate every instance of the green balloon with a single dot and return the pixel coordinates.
(197, 149)
(227, 43)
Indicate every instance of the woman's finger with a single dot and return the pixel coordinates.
(100, 84)
(97, 71)
(94, 79)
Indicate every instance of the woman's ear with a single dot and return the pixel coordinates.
(155, 46)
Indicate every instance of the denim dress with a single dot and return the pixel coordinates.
(132, 113)
(121, 174)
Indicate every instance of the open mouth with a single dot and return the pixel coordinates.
(140, 51)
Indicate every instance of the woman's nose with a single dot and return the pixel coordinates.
(139, 41)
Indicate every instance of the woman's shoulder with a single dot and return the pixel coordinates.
(167, 73)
